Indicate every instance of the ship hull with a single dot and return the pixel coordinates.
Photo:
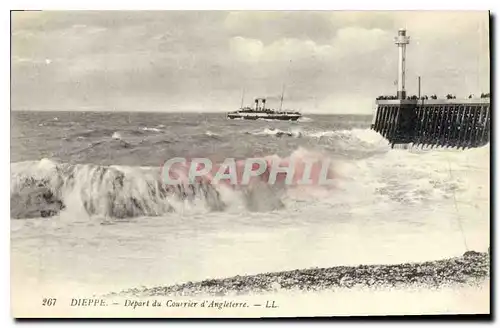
(268, 117)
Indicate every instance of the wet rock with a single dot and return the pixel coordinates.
(472, 253)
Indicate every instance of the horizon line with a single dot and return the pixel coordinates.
(163, 112)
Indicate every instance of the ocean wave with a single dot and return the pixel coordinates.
(162, 142)
(352, 141)
(94, 133)
(67, 125)
(305, 119)
(211, 134)
(103, 145)
(105, 133)
(349, 138)
(45, 188)
(296, 133)
(407, 176)
(116, 136)
(150, 129)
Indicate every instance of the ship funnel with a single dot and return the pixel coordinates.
(256, 104)
(263, 104)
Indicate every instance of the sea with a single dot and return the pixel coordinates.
(116, 231)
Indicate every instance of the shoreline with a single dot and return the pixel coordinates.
(471, 268)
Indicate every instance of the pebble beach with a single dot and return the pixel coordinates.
(470, 269)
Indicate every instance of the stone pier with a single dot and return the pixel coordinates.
(434, 122)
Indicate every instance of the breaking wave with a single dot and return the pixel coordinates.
(116, 136)
(113, 134)
(357, 134)
(114, 143)
(150, 129)
(355, 139)
(45, 188)
(296, 133)
(209, 133)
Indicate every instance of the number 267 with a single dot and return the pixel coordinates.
(49, 302)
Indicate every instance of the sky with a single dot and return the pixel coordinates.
(329, 62)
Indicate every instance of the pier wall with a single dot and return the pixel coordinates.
(434, 122)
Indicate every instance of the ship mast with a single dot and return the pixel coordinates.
(282, 93)
(242, 97)
(283, 88)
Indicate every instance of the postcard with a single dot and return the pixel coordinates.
(249, 164)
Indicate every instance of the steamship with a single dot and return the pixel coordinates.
(261, 112)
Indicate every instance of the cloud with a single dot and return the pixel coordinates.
(329, 61)
(248, 50)
(347, 42)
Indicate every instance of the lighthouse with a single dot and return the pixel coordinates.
(401, 40)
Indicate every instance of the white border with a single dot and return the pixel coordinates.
(249, 5)
(178, 5)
